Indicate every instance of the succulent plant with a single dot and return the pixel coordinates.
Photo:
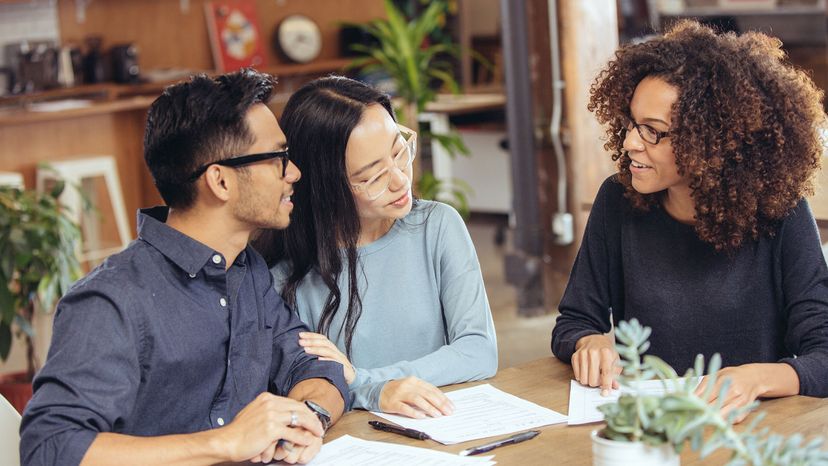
(681, 416)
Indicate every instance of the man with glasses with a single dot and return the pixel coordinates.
(178, 349)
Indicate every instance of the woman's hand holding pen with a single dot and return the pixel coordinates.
(594, 362)
(319, 345)
(415, 398)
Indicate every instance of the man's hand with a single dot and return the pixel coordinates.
(319, 345)
(293, 454)
(749, 382)
(594, 362)
(255, 432)
(415, 398)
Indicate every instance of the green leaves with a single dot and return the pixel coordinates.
(5, 340)
(431, 187)
(405, 53)
(409, 53)
(681, 415)
(37, 256)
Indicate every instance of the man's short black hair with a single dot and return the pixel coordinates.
(198, 122)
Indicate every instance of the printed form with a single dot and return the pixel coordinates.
(352, 451)
(584, 401)
(479, 412)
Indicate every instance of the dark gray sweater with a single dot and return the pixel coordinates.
(768, 302)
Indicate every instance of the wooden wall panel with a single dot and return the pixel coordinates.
(584, 56)
(119, 134)
(170, 37)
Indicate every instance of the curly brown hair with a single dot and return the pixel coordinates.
(745, 127)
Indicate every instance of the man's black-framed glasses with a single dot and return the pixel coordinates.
(244, 160)
(647, 132)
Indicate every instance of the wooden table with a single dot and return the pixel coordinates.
(546, 382)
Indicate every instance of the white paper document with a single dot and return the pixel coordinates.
(352, 451)
(584, 401)
(481, 411)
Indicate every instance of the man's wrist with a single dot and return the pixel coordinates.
(321, 413)
(215, 444)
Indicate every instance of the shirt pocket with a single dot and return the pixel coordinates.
(250, 362)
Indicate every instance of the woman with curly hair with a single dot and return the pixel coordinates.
(704, 233)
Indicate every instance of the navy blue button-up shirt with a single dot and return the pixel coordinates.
(161, 339)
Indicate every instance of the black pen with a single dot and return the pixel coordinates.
(399, 430)
(517, 438)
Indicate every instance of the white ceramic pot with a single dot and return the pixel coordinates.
(613, 453)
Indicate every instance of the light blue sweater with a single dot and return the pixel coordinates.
(424, 307)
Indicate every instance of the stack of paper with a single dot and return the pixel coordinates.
(479, 412)
(351, 451)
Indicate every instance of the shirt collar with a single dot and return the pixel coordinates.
(187, 253)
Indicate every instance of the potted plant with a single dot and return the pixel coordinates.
(415, 62)
(643, 429)
(38, 263)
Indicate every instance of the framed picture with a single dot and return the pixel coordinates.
(235, 38)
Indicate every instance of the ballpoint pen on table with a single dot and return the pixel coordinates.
(399, 430)
(517, 438)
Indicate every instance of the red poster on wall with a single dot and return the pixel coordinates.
(235, 39)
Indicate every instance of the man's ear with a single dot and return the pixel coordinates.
(219, 182)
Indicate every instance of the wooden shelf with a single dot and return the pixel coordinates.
(99, 92)
(778, 11)
(296, 69)
(466, 103)
(21, 115)
(114, 91)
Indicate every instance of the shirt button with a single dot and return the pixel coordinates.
(192, 275)
(220, 421)
(223, 302)
(217, 259)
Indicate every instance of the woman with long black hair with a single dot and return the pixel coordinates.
(391, 284)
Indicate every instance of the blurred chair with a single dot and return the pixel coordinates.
(82, 178)
(825, 251)
(9, 434)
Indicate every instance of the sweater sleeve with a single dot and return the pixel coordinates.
(805, 287)
(585, 307)
(471, 349)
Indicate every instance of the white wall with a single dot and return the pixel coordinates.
(34, 20)
(27, 21)
(17, 357)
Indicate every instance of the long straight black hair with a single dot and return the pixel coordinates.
(318, 120)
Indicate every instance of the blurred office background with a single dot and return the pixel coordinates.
(76, 78)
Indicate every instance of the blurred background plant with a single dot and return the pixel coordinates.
(38, 262)
(681, 415)
(415, 52)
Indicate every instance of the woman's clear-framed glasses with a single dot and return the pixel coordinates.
(376, 186)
